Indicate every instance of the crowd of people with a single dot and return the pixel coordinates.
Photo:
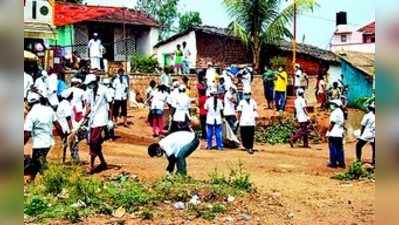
(90, 108)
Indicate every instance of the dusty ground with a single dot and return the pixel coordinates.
(293, 185)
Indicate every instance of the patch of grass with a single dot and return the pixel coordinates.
(355, 172)
(279, 132)
(65, 193)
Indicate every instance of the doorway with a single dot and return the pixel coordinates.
(106, 35)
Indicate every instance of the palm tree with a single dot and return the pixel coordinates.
(259, 22)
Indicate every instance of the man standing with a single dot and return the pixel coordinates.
(300, 78)
(98, 110)
(268, 86)
(186, 59)
(177, 147)
(335, 135)
(280, 89)
(367, 133)
(95, 52)
(303, 119)
(121, 87)
(247, 120)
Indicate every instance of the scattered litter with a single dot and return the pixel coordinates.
(179, 205)
(291, 216)
(79, 204)
(195, 200)
(231, 199)
(120, 212)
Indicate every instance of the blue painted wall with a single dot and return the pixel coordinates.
(359, 85)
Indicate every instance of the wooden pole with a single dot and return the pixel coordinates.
(294, 37)
(124, 37)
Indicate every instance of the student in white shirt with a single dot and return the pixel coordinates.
(78, 100)
(229, 111)
(28, 82)
(181, 116)
(52, 84)
(335, 135)
(111, 91)
(302, 117)
(300, 77)
(121, 86)
(367, 134)
(98, 107)
(214, 106)
(247, 120)
(176, 147)
(158, 104)
(64, 117)
(38, 125)
(186, 59)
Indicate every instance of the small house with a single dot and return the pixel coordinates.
(76, 23)
(358, 70)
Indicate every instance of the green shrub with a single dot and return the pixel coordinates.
(277, 133)
(72, 215)
(143, 64)
(55, 179)
(355, 172)
(277, 61)
(362, 102)
(35, 206)
(86, 190)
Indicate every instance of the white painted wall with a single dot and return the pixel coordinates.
(146, 41)
(334, 73)
(170, 47)
(28, 11)
(366, 48)
(354, 41)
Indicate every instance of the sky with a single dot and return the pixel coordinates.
(315, 27)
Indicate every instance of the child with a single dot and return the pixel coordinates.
(247, 119)
(335, 135)
(229, 112)
(214, 106)
(157, 110)
(149, 93)
(202, 111)
(177, 147)
(303, 119)
(367, 134)
(64, 117)
(181, 115)
(39, 124)
(77, 100)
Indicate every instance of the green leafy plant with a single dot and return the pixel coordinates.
(278, 61)
(55, 179)
(278, 132)
(36, 205)
(143, 64)
(188, 20)
(355, 172)
(362, 102)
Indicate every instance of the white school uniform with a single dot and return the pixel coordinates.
(121, 88)
(300, 105)
(78, 99)
(182, 105)
(337, 116)
(368, 122)
(213, 116)
(39, 121)
(95, 53)
(99, 106)
(41, 85)
(64, 110)
(28, 82)
(298, 78)
(173, 143)
(229, 106)
(248, 112)
(52, 83)
(159, 100)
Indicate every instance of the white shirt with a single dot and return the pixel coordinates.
(64, 110)
(95, 48)
(99, 106)
(52, 83)
(248, 112)
(173, 143)
(182, 105)
(159, 100)
(77, 99)
(173, 97)
(39, 121)
(337, 116)
(246, 81)
(210, 76)
(121, 88)
(41, 85)
(186, 54)
(322, 86)
(368, 122)
(213, 116)
(229, 107)
(28, 82)
(298, 78)
(300, 105)
(227, 80)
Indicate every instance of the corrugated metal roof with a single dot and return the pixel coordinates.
(68, 13)
(369, 28)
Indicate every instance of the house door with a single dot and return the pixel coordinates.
(106, 35)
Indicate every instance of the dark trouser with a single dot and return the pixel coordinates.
(184, 153)
(240, 96)
(247, 136)
(95, 141)
(119, 108)
(302, 132)
(280, 100)
(215, 129)
(203, 126)
(336, 147)
(39, 160)
(359, 145)
(231, 120)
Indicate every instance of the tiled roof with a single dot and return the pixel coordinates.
(68, 13)
(369, 28)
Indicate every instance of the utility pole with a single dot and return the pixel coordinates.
(124, 38)
(294, 37)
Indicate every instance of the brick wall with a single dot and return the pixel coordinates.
(220, 50)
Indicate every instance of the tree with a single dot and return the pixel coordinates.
(258, 22)
(189, 20)
(164, 11)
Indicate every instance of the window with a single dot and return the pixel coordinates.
(343, 38)
(368, 38)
